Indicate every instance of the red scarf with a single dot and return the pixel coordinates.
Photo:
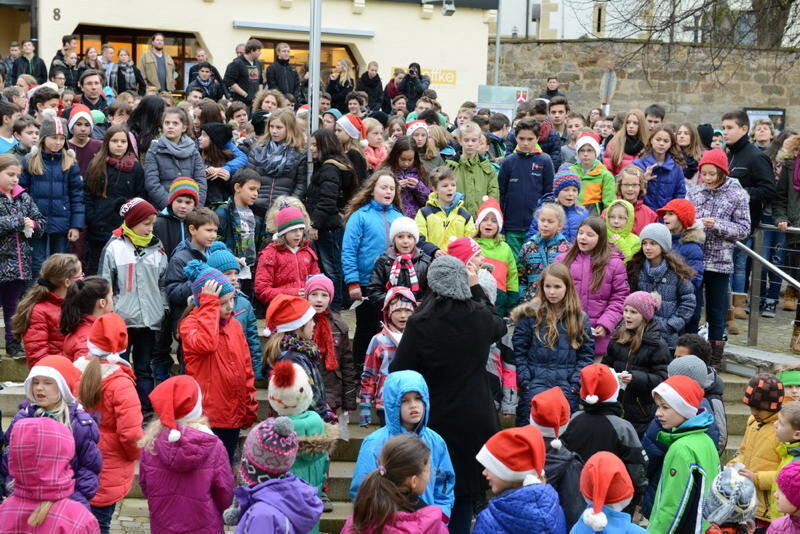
(124, 165)
(323, 337)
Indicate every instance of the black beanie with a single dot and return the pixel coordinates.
(219, 133)
(706, 133)
(259, 121)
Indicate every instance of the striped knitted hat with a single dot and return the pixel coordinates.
(198, 273)
(183, 185)
(565, 178)
(269, 450)
(288, 219)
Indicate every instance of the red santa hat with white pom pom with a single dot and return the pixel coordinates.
(599, 384)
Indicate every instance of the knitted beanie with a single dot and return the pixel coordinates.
(222, 259)
(220, 134)
(789, 482)
(335, 112)
(691, 366)
(599, 383)
(198, 273)
(447, 277)
(683, 209)
(706, 134)
(588, 139)
(645, 303)
(604, 480)
(715, 157)
(398, 298)
(288, 219)
(354, 128)
(108, 337)
(515, 455)
(550, 414)
(403, 224)
(413, 126)
(764, 392)
(60, 369)
(52, 126)
(136, 210)
(565, 178)
(184, 186)
(731, 498)
(319, 282)
(287, 313)
(463, 248)
(682, 393)
(658, 233)
(289, 391)
(269, 450)
(79, 111)
(490, 205)
(177, 400)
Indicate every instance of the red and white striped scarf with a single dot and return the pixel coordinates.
(403, 260)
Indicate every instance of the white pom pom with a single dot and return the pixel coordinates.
(596, 522)
(453, 238)
(556, 444)
(34, 149)
(484, 198)
(71, 153)
(174, 436)
(364, 143)
(267, 332)
(591, 399)
(49, 113)
(533, 478)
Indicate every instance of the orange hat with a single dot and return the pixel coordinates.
(550, 414)
(287, 313)
(604, 480)
(599, 384)
(108, 338)
(177, 400)
(515, 455)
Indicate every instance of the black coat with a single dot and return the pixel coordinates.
(379, 282)
(170, 230)
(71, 74)
(754, 171)
(563, 470)
(102, 214)
(213, 91)
(35, 67)
(648, 367)
(281, 75)
(447, 341)
(339, 92)
(290, 178)
(324, 200)
(359, 165)
(374, 89)
(122, 83)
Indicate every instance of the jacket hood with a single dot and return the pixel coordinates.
(188, 452)
(428, 519)
(695, 425)
(626, 231)
(17, 190)
(603, 408)
(695, 234)
(458, 201)
(714, 384)
(50, 477)
(315, 444)
(528, 508)
(544, 242)
(282, 494)
(398, 384)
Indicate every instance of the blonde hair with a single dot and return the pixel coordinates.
(616, 148)
(39, 515)
(347, 72)
(263, 94)
(557, 210)
(55, 272)
(440, 137)
(154, 428)
(371, 124)
(7, 160)
(36, 163)
(294, 136)
(626, 336)
(60, 413)
(470, 127)
(632, 170)
(284, 201)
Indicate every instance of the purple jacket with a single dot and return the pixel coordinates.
(282, 505)
(412, 200)
(87, 462)
(604, 306)
(785, 525)
(187, 483)
(729, 205)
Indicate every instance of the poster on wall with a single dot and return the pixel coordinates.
(776, 115)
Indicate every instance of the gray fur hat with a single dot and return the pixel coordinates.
(691, 366)
(447, 277)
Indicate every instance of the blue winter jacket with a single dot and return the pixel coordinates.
(618, 523)
(440, 487)
(58, 194)
(575, 216)
(689, 246)
(540, 367)
(243, 312)
(523, 180)
(366, 236)
(532, 508)
(667, 182)
(677, 299)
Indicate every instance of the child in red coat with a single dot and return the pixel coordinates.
(217, 355)
(86, 300)
(286, 263)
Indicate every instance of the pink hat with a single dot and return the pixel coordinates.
(645, 303)
(319, 282)
(463, 248)
(288, 219)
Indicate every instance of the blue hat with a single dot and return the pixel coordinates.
(335, 112)
(220, 258)
(565, 178)
(198, 273)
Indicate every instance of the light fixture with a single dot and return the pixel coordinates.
(448, 7)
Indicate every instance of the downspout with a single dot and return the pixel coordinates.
(34, 17)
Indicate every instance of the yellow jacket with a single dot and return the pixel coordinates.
(758, 452)
(437, 226)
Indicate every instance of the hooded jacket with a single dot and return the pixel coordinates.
(412, 198)
(325, 202)
(282, 170)
(498, 253)
(243, 312)
(438, 225)
(366, 236)
(648, 366)
(428, 520)
(380, 353)
(604, 306)
(753, 168)
(15, 248)
(677, 299)
(102, 213)
(286, 505)
(625, 240)
(379, 281)
(533, 508)
(166, 160)
(43, 336)
(789, 452)
(175, 282)
(541, 367)
(341, 383)
(230, 231)
(689, 245)
(58, 194)
(47, 479)
(563, 469)
(440, 487)
(759, 452)
(618, 523)
(187, 483)
(598, 187)
(667, 182)
(476, 179)
(523, 180)
(171, 230)
(575, 216)
(787, 524)
(642, 216)
(282, 271)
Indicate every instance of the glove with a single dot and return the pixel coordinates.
(364, 413)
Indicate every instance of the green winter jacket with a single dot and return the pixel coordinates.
(626, 241)
(476, 179)
(499, 254)
(789, 452)
(690, 465)
(598, 187)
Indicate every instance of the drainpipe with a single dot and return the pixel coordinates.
(34, 17)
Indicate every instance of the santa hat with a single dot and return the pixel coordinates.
(287, 313)
(604, 480)
(354, 128)
(136, 210)
(108, 338)
(682, 393)
(550, 414)
(288, 219)
(515, 455)
(490, 205)
(463, 248)
(590, 139)
(177, 400)
(79, 111)
(289, 391)
(403, 224)
(60, 369)
(413, 126)
(599, 384)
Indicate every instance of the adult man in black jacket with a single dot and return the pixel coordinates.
(281, 75)
(244, 75)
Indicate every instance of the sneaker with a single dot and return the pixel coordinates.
(769, 309)
(14, 348)
(327, 505)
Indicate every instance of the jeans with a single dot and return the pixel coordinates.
(329, 248)
(141, 344)
(229, 438)
(775, 251)
(10, 293)
(103, 515)
(461, 516)
(43, 247)
(717, 303)
(162, 361)
(740, 261)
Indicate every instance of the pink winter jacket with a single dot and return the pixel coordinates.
(187, 483)
(785, 525)
(603, 306)
(428, 520)
(39, 461)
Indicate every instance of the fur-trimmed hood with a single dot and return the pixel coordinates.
(320, 443)
(694, 234)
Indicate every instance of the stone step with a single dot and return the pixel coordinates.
(737, 415)
(749, 361)
(734, 388)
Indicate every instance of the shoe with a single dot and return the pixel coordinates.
(769, 309)
(733, 328)
(790, 299)
(739, 303)
(327, 505)
(14, 348)
(794, 344)
(718, 353)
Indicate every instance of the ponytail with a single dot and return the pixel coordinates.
(81, 299)
(91, 385)
(384, 492)
(55, 272)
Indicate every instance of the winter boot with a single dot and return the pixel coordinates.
(739, 303)
(795, 343)
(790, 298)
(733, 328)
(717, 352)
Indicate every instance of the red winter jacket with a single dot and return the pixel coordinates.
(282, 272)
(75, 343)
(43, 336)
(218, 357)
(120, 416)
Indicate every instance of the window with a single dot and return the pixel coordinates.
(599, 19)
(330, 54)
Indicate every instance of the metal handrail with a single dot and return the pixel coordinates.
(755, 275)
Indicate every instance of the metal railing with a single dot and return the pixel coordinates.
(755, 275)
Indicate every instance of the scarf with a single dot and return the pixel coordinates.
(392, 90)
(633, 147)
(375, 155)
(183, 149)
(400, 261)
(796, 174)
(127, 70)
(139, 241)
(204, 84)
(305, 347)
(124, 164)
(273, 158)
(323, 338)
(536, 150)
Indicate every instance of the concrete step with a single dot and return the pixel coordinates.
(749, 361)
(734, 388)
(13, 369)
(731, 449)
(737, 415)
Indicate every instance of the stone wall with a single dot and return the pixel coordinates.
(682, 78)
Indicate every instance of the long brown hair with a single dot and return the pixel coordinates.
(601, 254)
(695, 148)
(384, 492)
(294, 136)
(616, 147)
(215, 155)
(82, 297)
(97, 176)
(633, 338)
(674, 262)
(674, 150)
(392, 161)
(548, 316)
(364, 195)
(55, 272)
